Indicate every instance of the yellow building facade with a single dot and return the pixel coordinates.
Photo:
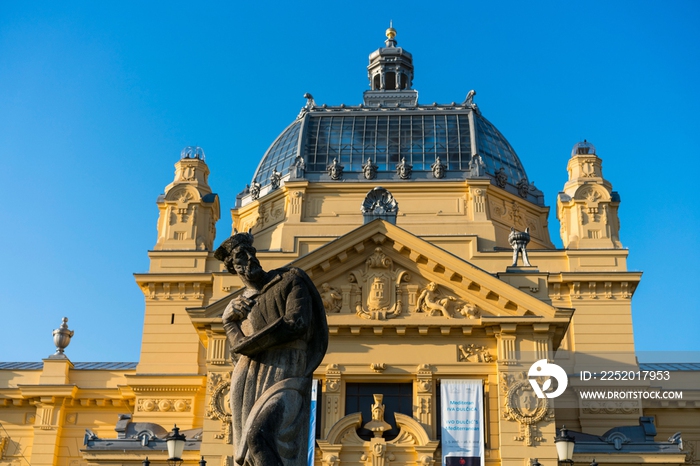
(403, 215)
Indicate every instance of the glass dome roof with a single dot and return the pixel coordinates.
(386, 135)
(390, 128)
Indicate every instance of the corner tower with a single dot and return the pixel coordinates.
(587, 208)
(188, 208)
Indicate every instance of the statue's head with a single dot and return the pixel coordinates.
(238, 255)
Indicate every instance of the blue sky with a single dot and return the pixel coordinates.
(97, 99)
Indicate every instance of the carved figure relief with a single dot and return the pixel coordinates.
(431, 302)
(523, 188)
(369, 169)
(380, 286)
(474, 353)
(219, 406)
(470, 311)
(332, 299)
(522, 406)
(501, 178)
(404, 169)
(335, 170)
(438, 168)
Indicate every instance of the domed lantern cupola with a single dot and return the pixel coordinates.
(390, 73)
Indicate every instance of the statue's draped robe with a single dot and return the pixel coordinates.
(277, 348)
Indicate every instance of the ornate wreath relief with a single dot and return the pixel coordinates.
(219, 406)
(523, 406)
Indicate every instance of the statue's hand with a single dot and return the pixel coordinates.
(237, 309)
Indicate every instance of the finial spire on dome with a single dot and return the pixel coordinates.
(390, 34)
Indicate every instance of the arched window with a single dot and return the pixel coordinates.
(390, 81)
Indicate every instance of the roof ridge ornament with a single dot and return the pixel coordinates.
(310, 105)
(61, 338)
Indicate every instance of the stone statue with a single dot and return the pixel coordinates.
(298, 168)
(278, 334)
(255, 190)
(378, 425)
(275, 179)
(469, 100)
(476, 166)
(518, 240)
(310, 102)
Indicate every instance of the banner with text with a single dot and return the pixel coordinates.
(462, 414)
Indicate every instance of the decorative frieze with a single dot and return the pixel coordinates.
(180, 405)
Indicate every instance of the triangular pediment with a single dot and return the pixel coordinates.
(380, 275)
(348, 257)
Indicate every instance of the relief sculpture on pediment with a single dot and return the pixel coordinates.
(432, 302)
(380, 296)
(332, 298)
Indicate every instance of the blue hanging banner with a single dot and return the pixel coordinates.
(462, 413)
(312, 423)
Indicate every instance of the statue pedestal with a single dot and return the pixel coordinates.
(522, 269)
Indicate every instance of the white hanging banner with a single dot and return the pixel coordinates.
(462, 411)
(312, 423)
